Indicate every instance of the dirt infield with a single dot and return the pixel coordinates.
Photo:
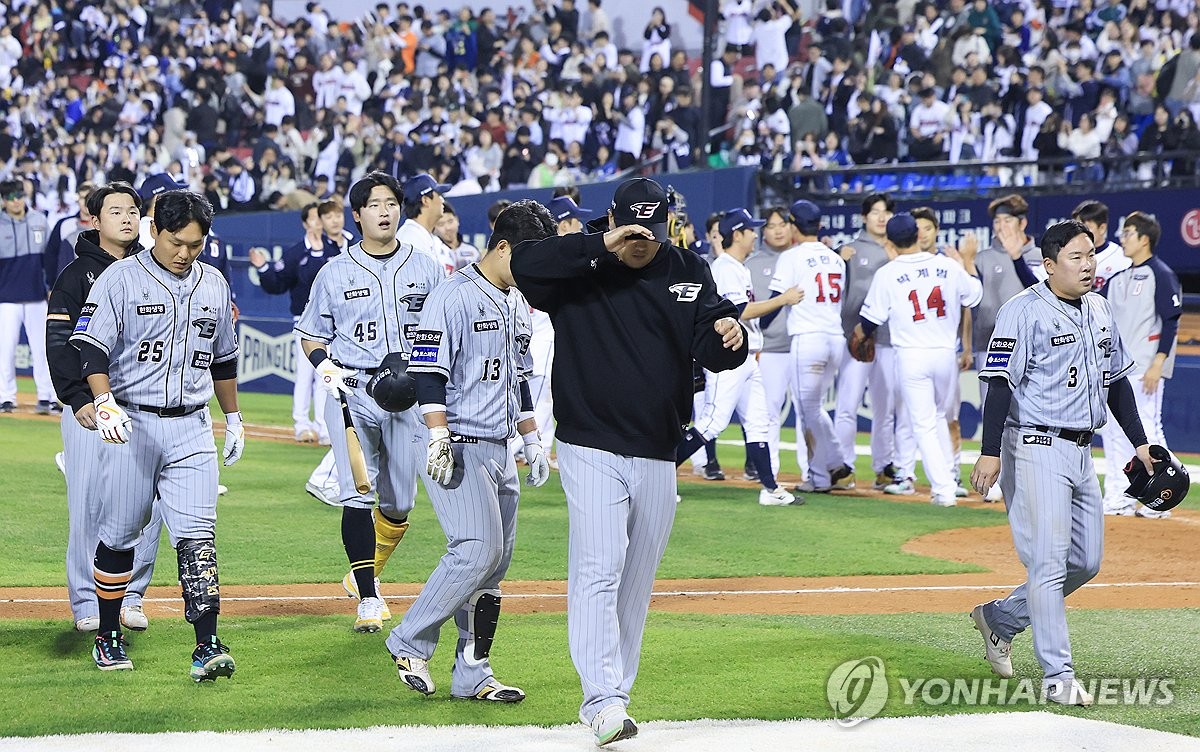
(1147, 564)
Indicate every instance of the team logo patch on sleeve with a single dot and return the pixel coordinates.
(1002, 344)
(428, 337)
(85, 317)
(424, 354)
(206, 328)
(1000, 351)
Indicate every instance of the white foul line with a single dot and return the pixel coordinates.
(659, 594)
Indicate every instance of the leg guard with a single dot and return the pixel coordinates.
(388, 534)
(483, 612)
(198, 578)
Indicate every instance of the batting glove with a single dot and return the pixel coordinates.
(114, 423)
(235, 438)
(440, 466)
(539, 465)
(333, 377)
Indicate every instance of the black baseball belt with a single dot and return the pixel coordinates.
(163, 412)
(1082, 438)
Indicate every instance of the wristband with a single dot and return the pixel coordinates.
(318, 356)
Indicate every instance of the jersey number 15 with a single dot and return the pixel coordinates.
(835, 287)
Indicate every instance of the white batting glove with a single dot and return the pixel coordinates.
(440, 465)
(539, 465)
(235, 438)
(114, 423)
(333, 377)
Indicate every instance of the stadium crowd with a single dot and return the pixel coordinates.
(258, 112)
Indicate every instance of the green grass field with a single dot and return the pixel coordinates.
(313, 672)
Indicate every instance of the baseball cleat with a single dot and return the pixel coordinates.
(845, 484)
(494, 691)
(351, 587)
(885, 477)
(960, 492)
(109, 652)
(1152, 514)
(994, 494)
(307, 436)
(712, 471)
(87, 624)
(808, 487)
(900, 488)
(612, 724)
(132, 617)
(321, 494)
(415, 673)
(7, 407)
(776, 497)
(60, 460)
(942, 501)
(369, 615)
(43, 407)
(750, 473)
(222, 490)
(838, 473)
(998, 652)
(1067, 693)
(210, 660)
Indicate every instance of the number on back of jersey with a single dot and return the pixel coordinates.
(933, 303)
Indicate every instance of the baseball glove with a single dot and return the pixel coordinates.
(862, 347)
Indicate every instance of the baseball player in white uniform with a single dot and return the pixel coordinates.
(775, 360)
(1147, 302)
(817, 342)
(741, 388)
(474, 323)
(364, 304)
(1110, 258)
(423, 207)
(156, 340)
(921, 295)
(1055, 359)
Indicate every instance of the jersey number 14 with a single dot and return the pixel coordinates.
(933, 303)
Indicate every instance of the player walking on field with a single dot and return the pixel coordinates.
(817, 343)
(630, 312)
(156, 340)
(113, 212)
(1147, 302)
(920, 295)
(471, 366)
(1054, 361)
(365, 304)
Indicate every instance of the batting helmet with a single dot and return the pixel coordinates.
(1162, 489)
(391, 386)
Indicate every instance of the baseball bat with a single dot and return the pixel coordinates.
(358, 463)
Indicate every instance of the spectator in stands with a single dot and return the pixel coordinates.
(873, 135)
(928, 126)
(631, 132)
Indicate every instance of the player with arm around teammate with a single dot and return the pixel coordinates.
(471, 365)
(1147, 302)
(817, 343)
(631, 313)
(920, 296)
(741, 388)
(113, 218)
(1054, 361)
(156, 340)
(365, 304)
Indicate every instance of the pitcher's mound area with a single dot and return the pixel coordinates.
(1013, 732)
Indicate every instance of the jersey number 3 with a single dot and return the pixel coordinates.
(933, 303)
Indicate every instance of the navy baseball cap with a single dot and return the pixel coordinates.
(641, 201)
(739, 219)
(159, 183)
(562, 207)
(422, 185)
(806, 215)
(902, 230)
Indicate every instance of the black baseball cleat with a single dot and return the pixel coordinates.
(109, 652)
(210, 660)
(48, 407)
(836, 474)
(751, 473)
(712, 471)
(7, 407)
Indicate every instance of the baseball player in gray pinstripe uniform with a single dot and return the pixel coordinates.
(1054, 360)
(156, 340)
(471, 365)
(113, 212)
(364, 304)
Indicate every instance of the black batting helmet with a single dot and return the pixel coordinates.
(1163, 489)
(391, 386)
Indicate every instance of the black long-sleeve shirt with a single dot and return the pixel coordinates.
(294, 274)
(67, 297)
(624, 340)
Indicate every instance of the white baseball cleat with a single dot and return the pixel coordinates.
(777, 498)
(808, 487)
(1151, 514)
(322, 494)
(612, 724)
(414, 672)
(1125, 511)
(994, 494)
(133, 617)
(222, 490)
(999, 652)
(370, 618)
(902, 487)
(87, 624)
(350, 585)
(942, 501)
(960, 492)
(60, 459)
(1066, 692)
